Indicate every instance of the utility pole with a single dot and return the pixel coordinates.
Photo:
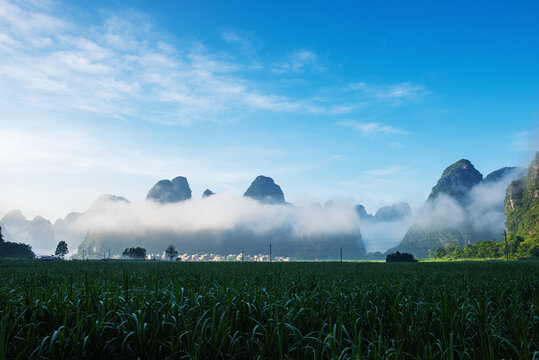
(242, 255)
(506, 248)
(270, 252)
(83, 251)
(109, 254)
(341, 255)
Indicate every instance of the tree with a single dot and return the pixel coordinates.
(171, 252)
(534, 251)
(400, 257)
(61, 249)
(135, 253)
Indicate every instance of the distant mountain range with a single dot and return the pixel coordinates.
(263, 189)
(462, 208)
(397, 212)
(16, 228)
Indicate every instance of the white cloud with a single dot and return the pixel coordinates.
(123, 66)
(386, 171)
(124, 69)
(525, 141)
(232, 36)
(372, 128)
(245, 40)
(296, 61)
(59, 71)
(395, 94)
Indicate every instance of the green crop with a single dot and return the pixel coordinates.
(165, 310)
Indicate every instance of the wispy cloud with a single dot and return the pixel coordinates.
(395, 93)
(338, 157)
(246, 43)
(385, 171)
(297, 61)
(121, 68)
(520, 134)
(233, 36)
(124, 66)
(525, 141)
(372, 128)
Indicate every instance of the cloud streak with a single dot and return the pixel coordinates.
(393, 92)
(387, 171)
(297, 61)
(372, 128)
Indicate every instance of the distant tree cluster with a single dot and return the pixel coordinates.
(15, 250)
(171, 252)
(135, 253)
(517, 247)
(400, 257)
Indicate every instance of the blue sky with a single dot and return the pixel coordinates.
(362, 101)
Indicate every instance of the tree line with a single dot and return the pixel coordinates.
(140, 253)
(15, 250)
(515, 247)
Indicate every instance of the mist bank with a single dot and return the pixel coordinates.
(222, 224)
(216, 213)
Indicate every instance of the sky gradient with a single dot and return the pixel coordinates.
(365, 102)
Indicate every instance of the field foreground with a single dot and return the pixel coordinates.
(72, 310)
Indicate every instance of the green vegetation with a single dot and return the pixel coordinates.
(522, 203)
(135, 253)
(400, 257)
(420, 241)
(169, 310)
(14, 250)
(517, 248)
